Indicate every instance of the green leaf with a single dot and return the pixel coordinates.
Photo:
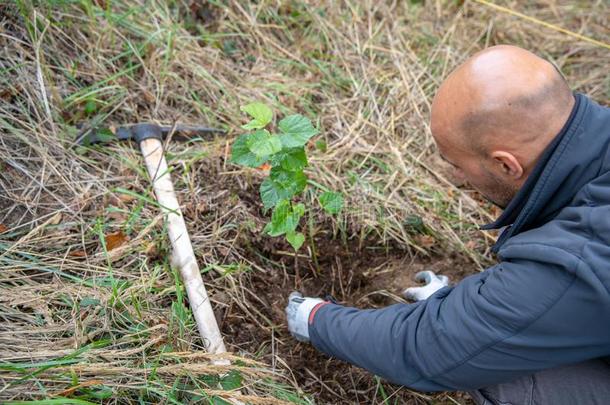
(242, 155)
(261, 114)
(285, 218)
(415, 224)
(102, 392)
(101, 135)
(295, 239)
(277, 226)
(296, 131)
(271, 193)
(281, 185)
(331, 202)
(263, 144)
(90, 107)
(321, 146)
(231, 381)
(299, 210)
(290, 159)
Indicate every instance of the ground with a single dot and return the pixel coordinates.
(359, 272)
(91, 310)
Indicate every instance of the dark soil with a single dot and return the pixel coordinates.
(354, 276)
(363, 274)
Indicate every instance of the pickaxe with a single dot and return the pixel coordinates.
(150, 138)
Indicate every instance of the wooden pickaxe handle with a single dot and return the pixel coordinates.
(183, 254)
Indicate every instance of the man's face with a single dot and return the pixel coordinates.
(483, 175)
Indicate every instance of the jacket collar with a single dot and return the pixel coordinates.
(561, 171)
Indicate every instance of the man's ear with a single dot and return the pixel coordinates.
(508, 164)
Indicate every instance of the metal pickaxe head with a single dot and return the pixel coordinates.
(139, 132)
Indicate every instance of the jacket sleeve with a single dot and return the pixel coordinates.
(513, 319)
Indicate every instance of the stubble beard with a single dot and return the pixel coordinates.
(497, 192)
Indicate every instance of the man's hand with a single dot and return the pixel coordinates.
(432, 282)
(298, 313)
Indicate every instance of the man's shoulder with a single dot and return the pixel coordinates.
(581, 229)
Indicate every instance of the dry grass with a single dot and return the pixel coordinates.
(80, 321)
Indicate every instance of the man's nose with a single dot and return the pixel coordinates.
(456, 176)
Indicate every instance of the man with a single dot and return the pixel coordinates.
(535, 328)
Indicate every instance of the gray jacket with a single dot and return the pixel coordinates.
(545, 304)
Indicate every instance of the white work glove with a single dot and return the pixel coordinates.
(432, 283)
(297, 314)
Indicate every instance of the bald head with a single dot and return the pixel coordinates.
(502, 94)
(502, 98)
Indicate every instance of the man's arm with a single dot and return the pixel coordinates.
(515, 318)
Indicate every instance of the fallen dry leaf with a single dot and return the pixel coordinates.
(71, 390)
(117, 216)
(426, 241)
(148, 96)
(55, 219)
(3, 228)
(126, 198)
(77, 253)
(150, 249)
(114, 240)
